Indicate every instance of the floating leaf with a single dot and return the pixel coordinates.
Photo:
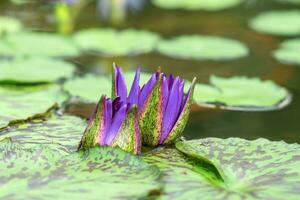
(20, 103)
(105, 173)
(92, 87)
(89, 87)
(37, 44)
(185, 178)
(116, 43)
(289, 51)
(9, 25)
(290, 1)
(129, 77)
(258, 169)
(63, 130)
(35, 70)
(240, 92)
(285, 23)
(202, 47)
(210, 5)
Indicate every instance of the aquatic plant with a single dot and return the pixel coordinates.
(163, 107)
(113, 123)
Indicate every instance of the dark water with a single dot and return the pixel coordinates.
(275, 125)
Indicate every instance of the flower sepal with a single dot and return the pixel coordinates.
(115, 124)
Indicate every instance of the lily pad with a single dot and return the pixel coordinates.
(9, 25)
(241, 92)
(210, 5)
(283, 23)
(200, 47)
(35, 70)
(290, 1)
(65, 131)
(102, 172)
(116, 43)
(129, 77)
(37, 44)
(258, 169)
(21, 103)
(183, 177)
(89, 87)
(289, 52)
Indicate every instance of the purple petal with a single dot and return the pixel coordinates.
(172, 110)
(187, 96)
(134, 91)
(120, 84)
(171, 81)
(165, 93)
(183, 116)
(107, 115)
(117, 121)
(146, 90)
(117, 103)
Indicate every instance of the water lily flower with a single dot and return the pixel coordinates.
(162, 105)
(113, 123)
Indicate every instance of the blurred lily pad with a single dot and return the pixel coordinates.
(9, 25)
(289, 52)
(35, 70)
(200, 47)
(258, 169)
(102, 172)
(285, 23)
(116, 43)
(129, 77)
(240, 93)
(210, 5)
(290, 1)
(37, 44)
(89, 87)
(21, 103)
(65, 131)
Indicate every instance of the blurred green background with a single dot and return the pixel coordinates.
(230, 23)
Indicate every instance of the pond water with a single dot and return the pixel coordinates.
(232, 23)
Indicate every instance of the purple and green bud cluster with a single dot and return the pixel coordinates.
(153, 114)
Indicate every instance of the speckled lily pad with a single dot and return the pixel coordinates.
(258, 169)
(289, 52)
(65, 131)
(285, 23)
(200, 47)
(35, 70)
(37, 44)
(9, 25)
(98, 173)
(20, 103)
(116, 43)
(211, 5)
(240, 93)
(184, 178)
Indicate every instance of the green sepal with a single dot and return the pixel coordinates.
(113, 85)
(128, 137)
(91, 135)
(183, 118)
(150, 116)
